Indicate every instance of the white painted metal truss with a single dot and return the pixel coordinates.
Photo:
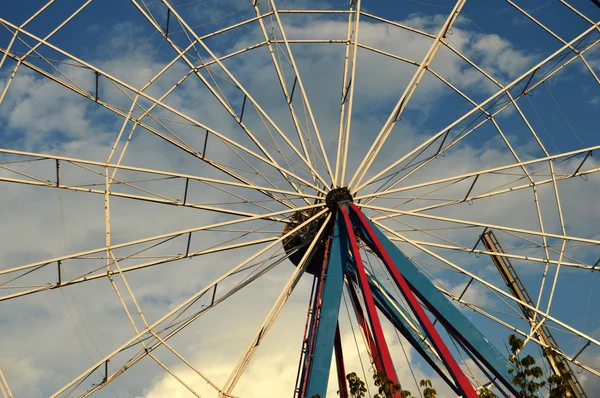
(259, 176)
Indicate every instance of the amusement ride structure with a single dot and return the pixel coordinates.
(381, 221)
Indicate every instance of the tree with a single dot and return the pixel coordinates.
(386, 387)
(528, 378)
(428, 391)
(526, 375)
(356, 385)
(558, 385)
(485, 393)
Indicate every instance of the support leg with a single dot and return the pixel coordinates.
(461, 380)
(381, 345)
(339, 362)
(452, 319)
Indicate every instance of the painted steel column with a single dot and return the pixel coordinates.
(360, 316)
(382, 348)
(308, 343)
(339, 364)
(392, 313)
(391, 310)
(324, 333)
(453, 320)
(461, 380)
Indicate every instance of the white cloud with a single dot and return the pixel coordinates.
(41, 323)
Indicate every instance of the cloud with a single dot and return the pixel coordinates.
(39, 115)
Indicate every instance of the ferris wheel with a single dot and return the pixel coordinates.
(256, 198)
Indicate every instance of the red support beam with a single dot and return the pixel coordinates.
(457, 373)
(382, 348)
(365, 328)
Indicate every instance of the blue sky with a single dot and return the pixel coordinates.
(38, 115)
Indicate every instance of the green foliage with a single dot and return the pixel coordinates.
(386, 387)
(356, 385)
(526, 375)
(558, 385)
(485, 393)
(428, 391)
(528, 378)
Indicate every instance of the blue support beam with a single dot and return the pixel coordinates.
(391, 309)
(333, 282)
(451, 318)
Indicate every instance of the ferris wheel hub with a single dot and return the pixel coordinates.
(306, 234)
(337, 196)
(297, 244)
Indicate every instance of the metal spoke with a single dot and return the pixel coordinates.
(177, 309)
(478, 108)
(154, 238)
(98, 274)
(441, 151)
(164, 173)
(176, 325)
(481, 172)
(162, 105)
(541, 25)
(396, 213)
(457, 247)
(347, 100)
(404, 99)
(298, 81)
(6, 392)
(20, 29)
(274, 312)
(247, 95)
(14, 36)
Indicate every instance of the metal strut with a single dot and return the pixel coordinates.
(558, 364)
(322, 338)
(382, 349)
(453, 320)
(461, 380)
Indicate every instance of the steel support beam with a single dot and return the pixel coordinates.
(391, 310)
(332, 283)
(382, 352)
(339, 364)
(412, 282)
(377, 245)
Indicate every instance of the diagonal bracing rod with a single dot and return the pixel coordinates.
(461, 380)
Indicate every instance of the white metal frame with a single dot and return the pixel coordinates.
(305, 172)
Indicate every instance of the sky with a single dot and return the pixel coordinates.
(186, 165)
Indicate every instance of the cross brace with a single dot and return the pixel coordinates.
(343, 262)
